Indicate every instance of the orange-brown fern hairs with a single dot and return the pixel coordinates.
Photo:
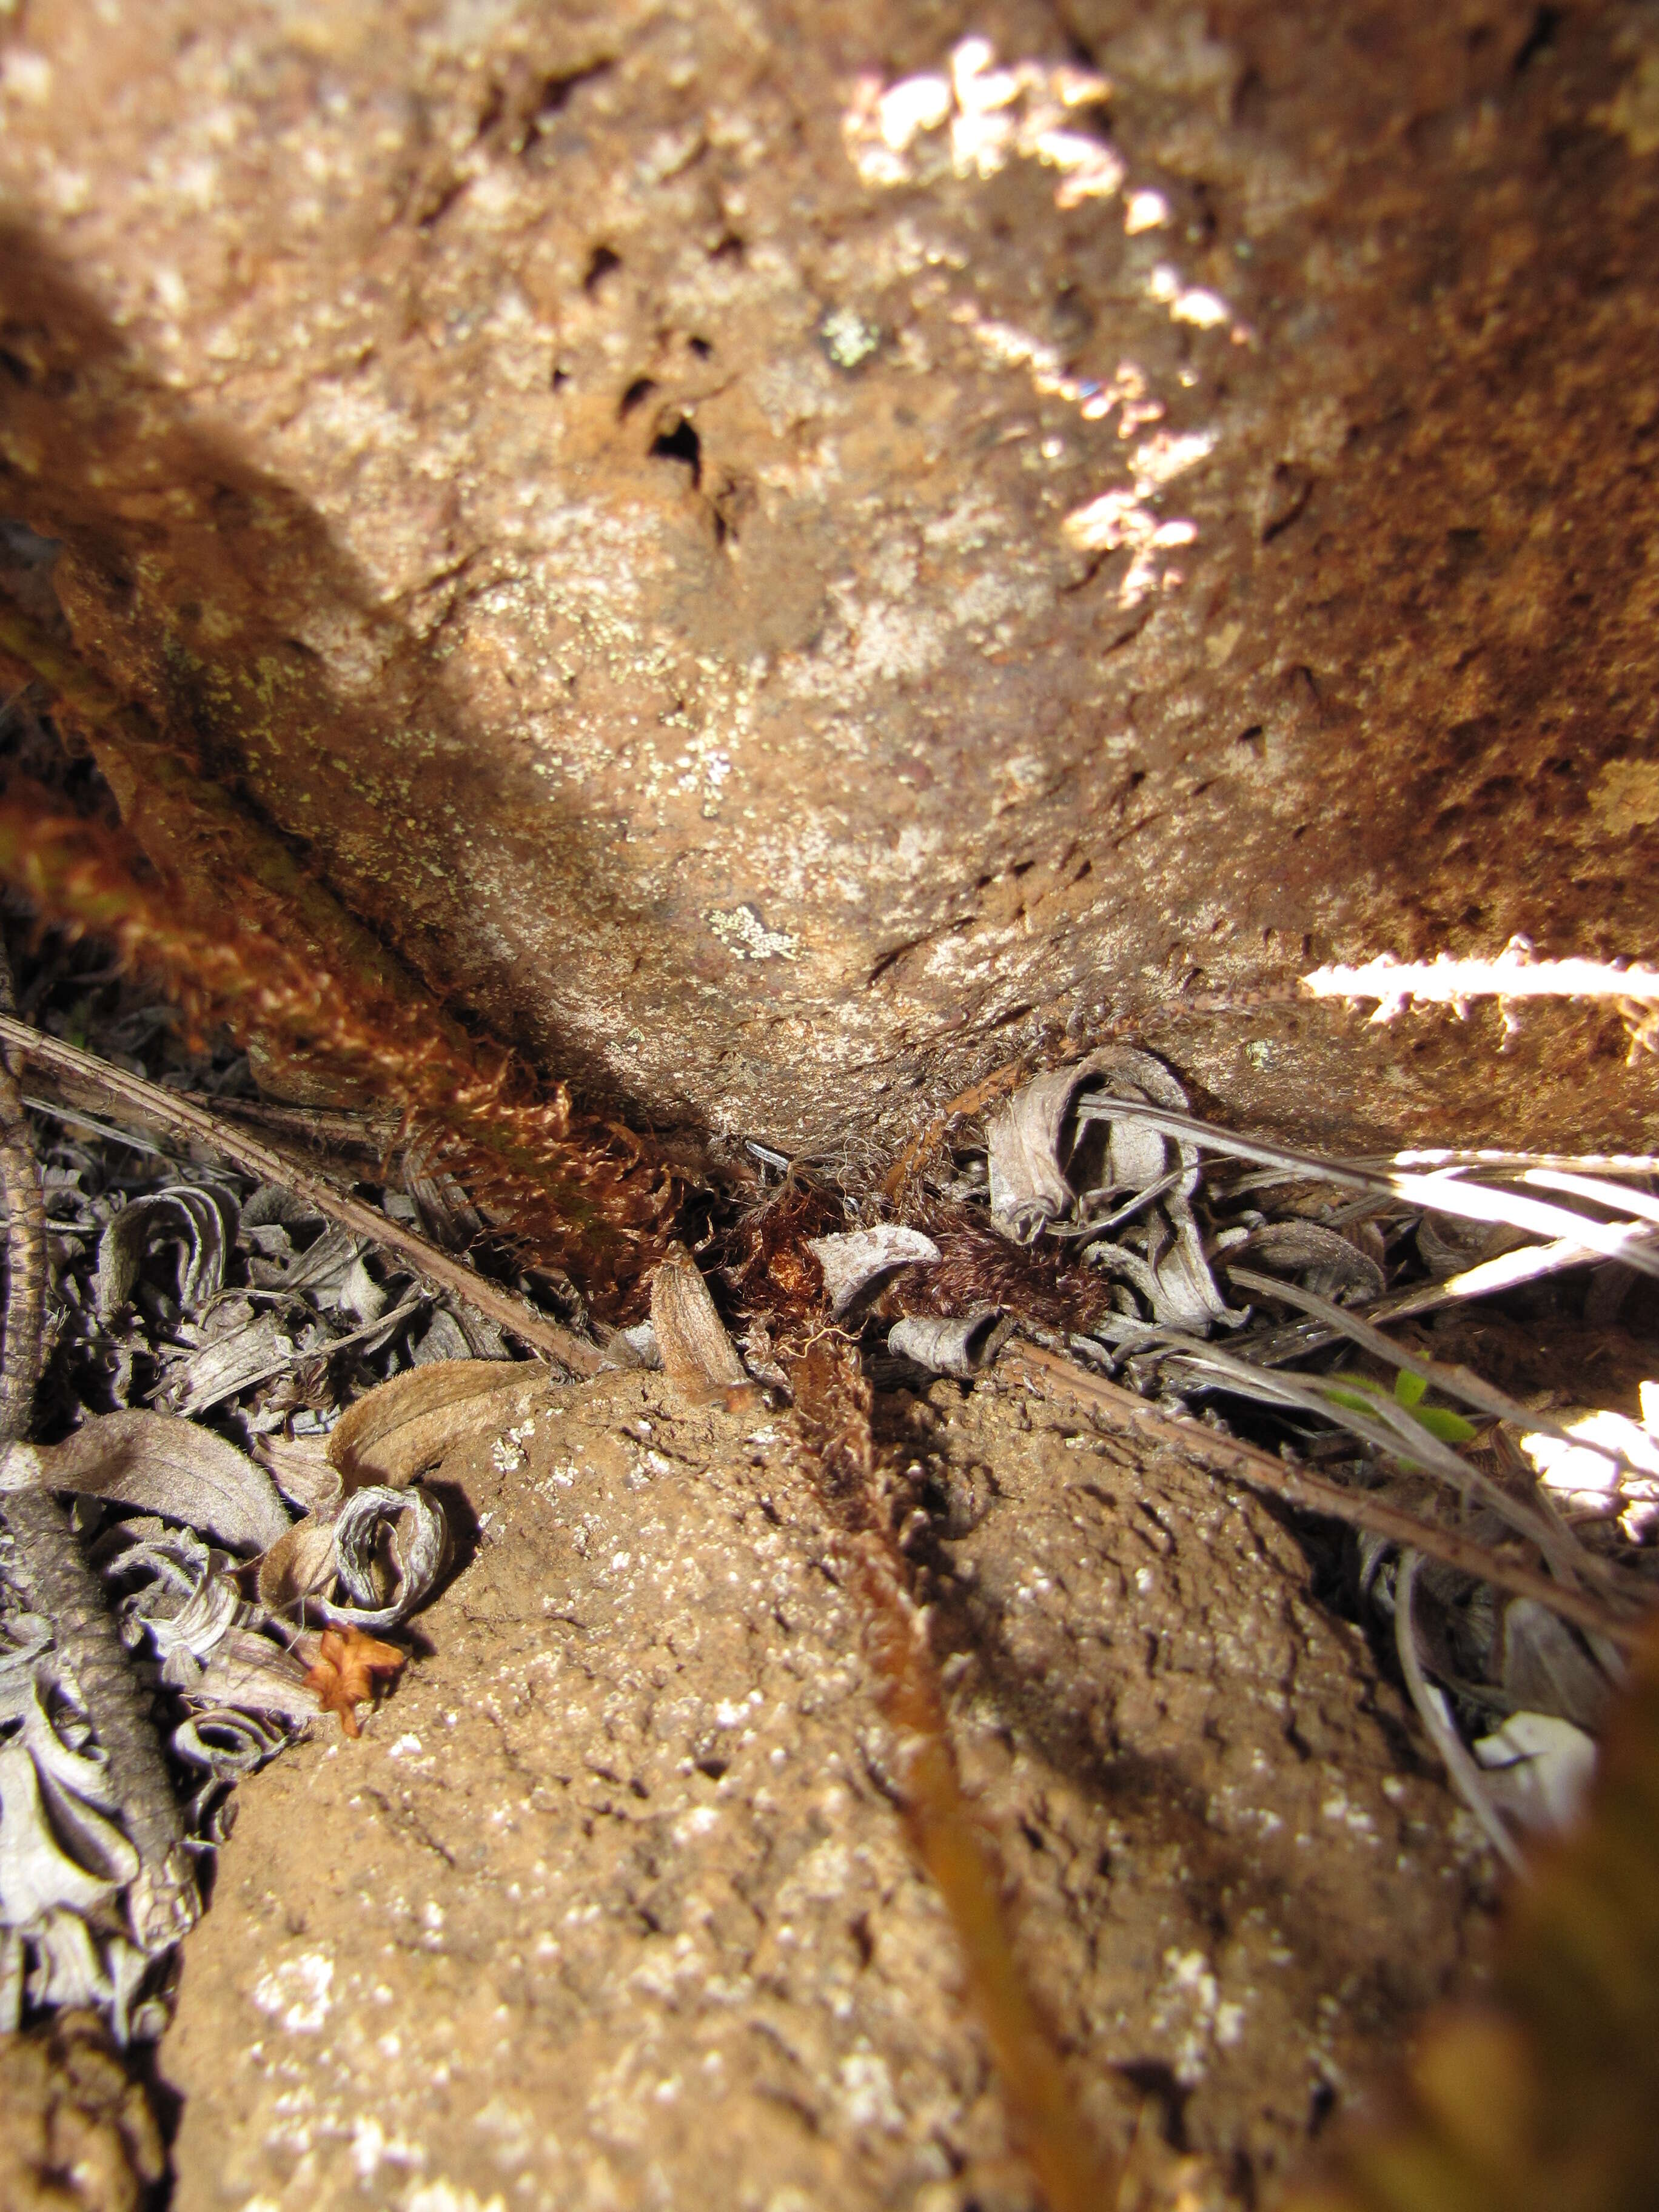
(571, 1191)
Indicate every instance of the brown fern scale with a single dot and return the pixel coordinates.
(573, 1192)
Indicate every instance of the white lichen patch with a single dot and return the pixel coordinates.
(745, 935)
(297, 1992)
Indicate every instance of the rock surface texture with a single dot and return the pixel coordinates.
(789, 553)
(608, 1908)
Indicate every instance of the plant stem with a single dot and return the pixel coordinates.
(163, 1900)
(833, 1418)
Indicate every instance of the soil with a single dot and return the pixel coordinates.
(609, 1908)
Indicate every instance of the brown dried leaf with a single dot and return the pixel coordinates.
(699, 1357)
(301, 1563)
(350, 1665)
(404, 1424)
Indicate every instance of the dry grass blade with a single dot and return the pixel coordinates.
(1629, 1240)
(1592, 1187)
(1453, 1156)
(166, 1109)
(1046, 1371)
(1450, 1381)
(1388, 1425)
(1508, 1270)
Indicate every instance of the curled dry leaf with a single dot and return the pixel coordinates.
(230, 1742)
(60, 1844)
(404, 1424)
(699, 1357)
(1317, 1257)
(163, 1463)
(1547, 1669)
(1027, 1143)
(300, 1565)
(963, 1347)
(1171, 1274)
(200, 1219)
(857, 1258)
(1062, 1146)
(1069, 1145)
(390, 1546)
(179, 1598)
(254, 1675)
(348, 1667)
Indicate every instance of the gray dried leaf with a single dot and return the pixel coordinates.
(1185, 1295)
(166, 1465)
(1538, 1769)
(857, 1258)
(360, 1295)
(1318, 1258)
(1448, 1246)
(403, 1426)
(251, 1674)
(323, 1268)
(441, 1338)
(1547, 1670)
(225, 1365)
(300, 1469)
(1068, 1143)
(60, 1845)
(1136, 1156)
(963, 1347)
(202, 1219)
(228, 1741)
(391, 1546)
(72, 1967)
(184, 1602)
(697, 1355)
(642, 1341)
(1024, 1140)
(274, 1202)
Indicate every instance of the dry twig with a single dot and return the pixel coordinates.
(168, 1109)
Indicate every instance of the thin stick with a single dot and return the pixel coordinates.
(187, 1120)
(1311, 1492)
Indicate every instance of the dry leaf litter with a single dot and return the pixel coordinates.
(240, 1396)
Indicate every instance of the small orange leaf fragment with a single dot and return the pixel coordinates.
(349, 1665)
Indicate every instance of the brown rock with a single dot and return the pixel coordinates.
(608, 1908)
(633, 546)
